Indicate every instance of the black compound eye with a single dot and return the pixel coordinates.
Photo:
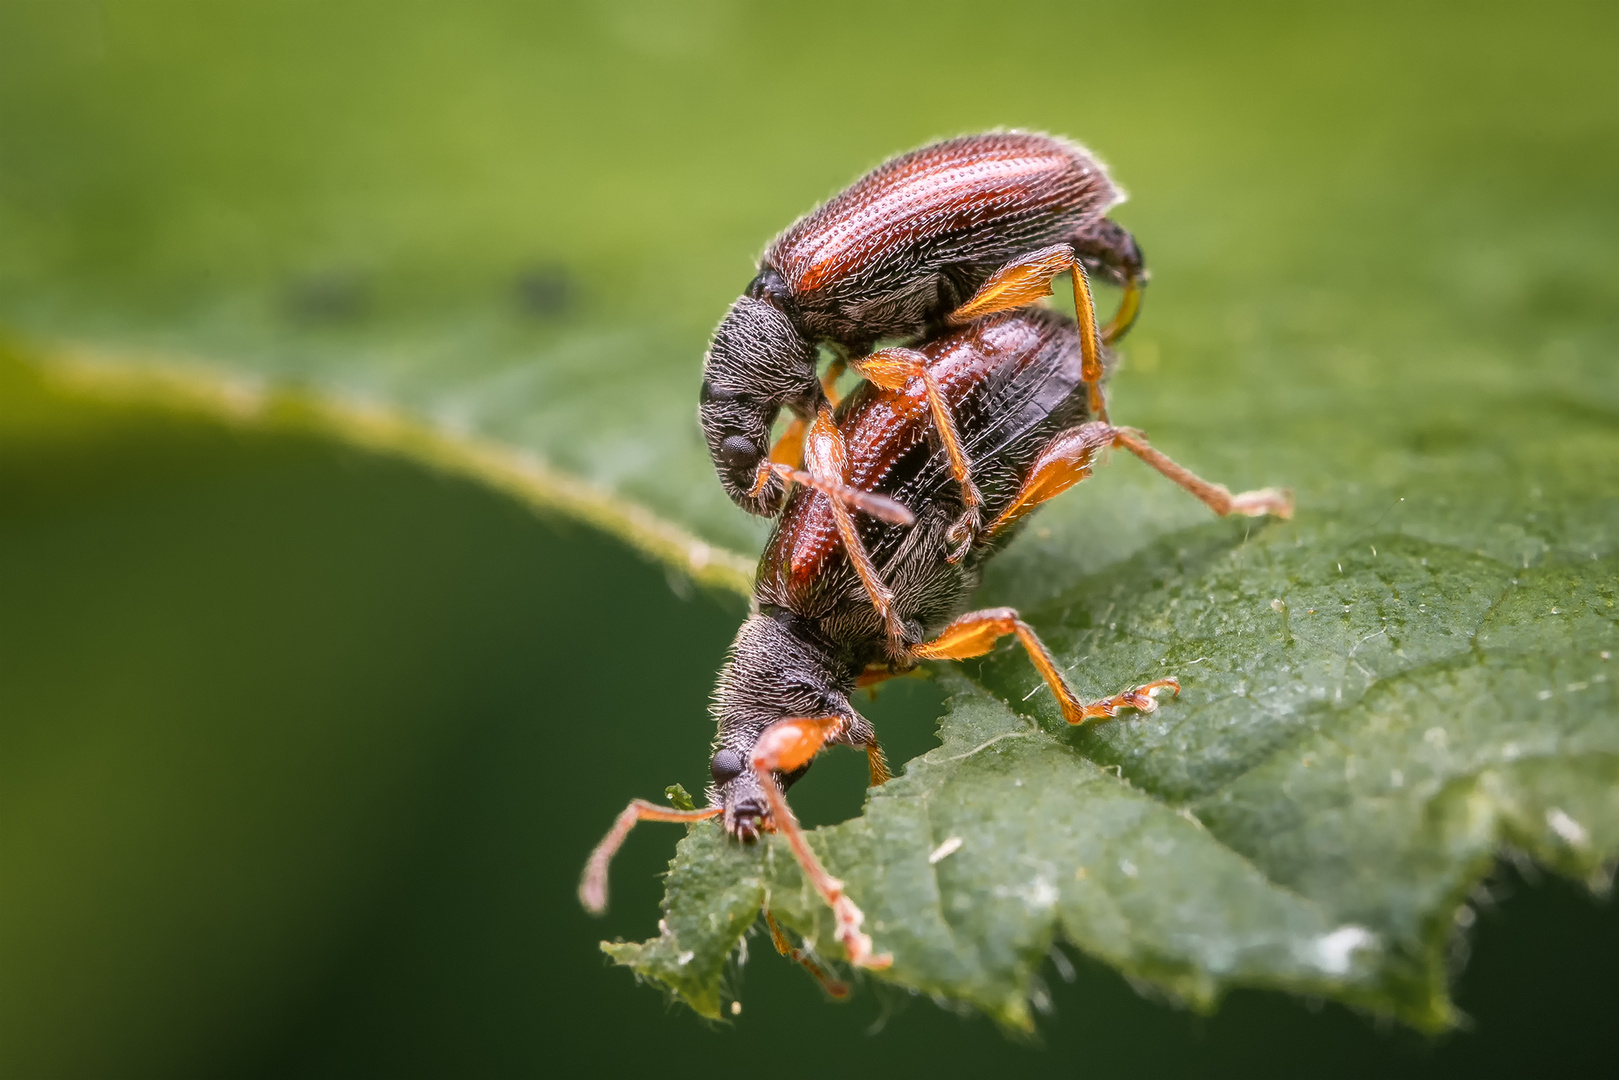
(737, 452)
(726, 766)
(710, 392)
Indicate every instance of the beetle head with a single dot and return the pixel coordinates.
(772, 675)
(1110, 253)
(757, 364)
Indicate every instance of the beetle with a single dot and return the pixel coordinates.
(929, 240)
(1015, 383)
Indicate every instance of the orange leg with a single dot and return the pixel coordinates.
(826, 474)
(1020, 282)
(867, 502)
(891, 369)
(975, 634)
(784, 459)
(802, 957)
(877, 765)
(593, 886)
(1065, 461)
(1069, 458)
(1216, 497)
(787, 453)
(1090, 348)
(1125, 317)
(1028, 279)
(785, 746)
(828, 461)
(829, 381)
(882, 598)
(789, 449)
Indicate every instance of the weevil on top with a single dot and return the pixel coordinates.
(841, 602)
(927, 242)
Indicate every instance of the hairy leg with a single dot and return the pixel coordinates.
(891, 369)
(1028, 279)
(976, 633)
(785, 746)
(593, 885)
(1071, 455)
(832, 986)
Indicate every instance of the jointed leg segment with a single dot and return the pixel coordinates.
(801, 957)
(1065, 461)
(976, 633)
(891, 369)
(882, 597)
(827, 459)
(867, 502)
(785, 746)
(829, 380)
(1216, 497)
(788, 450)
(826, 468)
(1027, 280)
(1071, 455)
(593, 886)
(1090, 345)
(1018, 283)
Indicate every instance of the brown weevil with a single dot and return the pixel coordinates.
(841, 603)
(926, 242)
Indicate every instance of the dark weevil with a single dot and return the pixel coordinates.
(1015, 385)
(928, 241)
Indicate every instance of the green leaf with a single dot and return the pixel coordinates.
(1309, 815)
(1391, 287)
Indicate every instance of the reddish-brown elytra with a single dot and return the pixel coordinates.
(928, 241)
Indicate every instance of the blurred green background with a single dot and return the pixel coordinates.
(303, 747)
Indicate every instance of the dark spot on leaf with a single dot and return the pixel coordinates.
(545, 290)
(1442, 436)
(331, 296)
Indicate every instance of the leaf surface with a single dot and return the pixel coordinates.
(1310, 814)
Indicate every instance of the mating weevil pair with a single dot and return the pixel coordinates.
(943, 452)
(929, 241)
